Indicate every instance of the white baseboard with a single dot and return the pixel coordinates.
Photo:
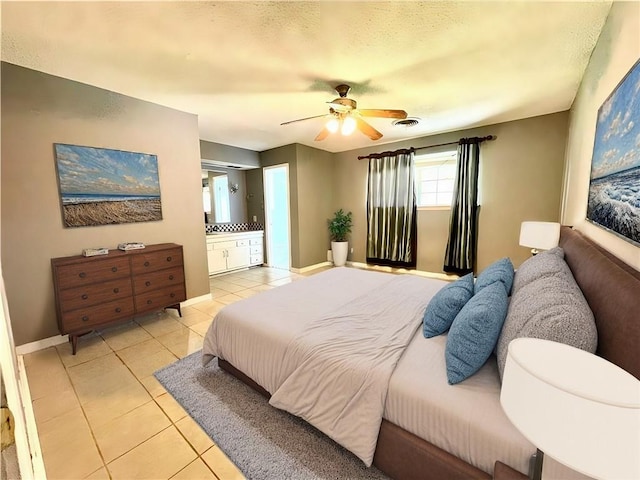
(41, 344)
(201, 298)
(421, 273)
(311, 267)
(60, 339)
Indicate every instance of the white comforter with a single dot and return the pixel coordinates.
(369, 317)
(465, 419)
(335, 373)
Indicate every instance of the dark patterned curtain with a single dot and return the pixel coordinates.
(460, 255)
(391, 209)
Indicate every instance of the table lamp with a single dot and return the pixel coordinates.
(539, 235)
(574, 406)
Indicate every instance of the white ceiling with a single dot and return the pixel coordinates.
(246, 67)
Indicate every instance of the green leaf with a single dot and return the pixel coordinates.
(340, 226)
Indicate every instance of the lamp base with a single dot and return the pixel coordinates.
(535, 464)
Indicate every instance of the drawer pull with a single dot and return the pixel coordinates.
(149, 302)
(85, 296)
(168, 259)
(118, 310)
(172, 295)
(146, 264)
(85, 318)
(147, 283)
(116, 290)
(170, 277)
(114, 269)
(82, 275)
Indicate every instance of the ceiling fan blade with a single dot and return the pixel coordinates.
(302, 119)
(367, 129)
(401, 114)
(324, 133)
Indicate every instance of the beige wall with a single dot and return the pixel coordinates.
(255, 195)
(269, 158)
(310, 199)
(617, 50)
(520, 179)
(315, 201)
(228, 154)
(39, 110)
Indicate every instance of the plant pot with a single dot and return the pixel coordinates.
(339, 251)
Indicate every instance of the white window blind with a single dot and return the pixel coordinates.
(435, 177)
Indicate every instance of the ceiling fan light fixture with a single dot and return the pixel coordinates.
(348, 126)
(333, 125)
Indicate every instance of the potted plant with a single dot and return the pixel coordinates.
(339, 228)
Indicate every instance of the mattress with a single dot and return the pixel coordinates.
(465, 420)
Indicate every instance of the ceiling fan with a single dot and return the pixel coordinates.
(345, 116)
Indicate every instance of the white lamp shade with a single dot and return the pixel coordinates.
(541, 235)
(574, 406)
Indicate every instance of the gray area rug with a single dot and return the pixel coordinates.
(263, 442)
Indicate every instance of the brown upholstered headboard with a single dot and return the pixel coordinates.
(612, 289)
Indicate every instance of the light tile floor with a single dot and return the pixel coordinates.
(102, 414)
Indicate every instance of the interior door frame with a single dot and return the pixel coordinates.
(266, 213)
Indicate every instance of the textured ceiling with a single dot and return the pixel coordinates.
(246, 67)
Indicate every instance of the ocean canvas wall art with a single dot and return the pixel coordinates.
(100, 186)
(614, 188)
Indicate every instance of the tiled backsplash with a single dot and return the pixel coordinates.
(233, 227)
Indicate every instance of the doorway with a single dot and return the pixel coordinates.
(276, 211)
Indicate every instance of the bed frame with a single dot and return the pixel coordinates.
(612, 289)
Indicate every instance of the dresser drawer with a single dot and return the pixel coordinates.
(256, 259)
(255, 241)
(242, 243)
(223, 245)
(69, 276)
(148, 262)
(87, 295)
(256, 250)
(85, 319)
(158, 299)
(159, 279)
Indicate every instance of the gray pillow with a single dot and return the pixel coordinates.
(541, 265)
(551, 307)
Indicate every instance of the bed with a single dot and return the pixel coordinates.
(252, 340)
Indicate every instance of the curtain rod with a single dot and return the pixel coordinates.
(479, 140)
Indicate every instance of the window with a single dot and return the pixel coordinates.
(221, 199)
(435, 177)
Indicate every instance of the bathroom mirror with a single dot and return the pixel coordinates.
(215, 196)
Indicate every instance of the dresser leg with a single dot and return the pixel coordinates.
(177, 307)
(74, 343)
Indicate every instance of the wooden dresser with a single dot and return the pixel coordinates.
(93, 292)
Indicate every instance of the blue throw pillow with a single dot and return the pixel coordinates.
(445, 305)
(500, 271)
(475, 331)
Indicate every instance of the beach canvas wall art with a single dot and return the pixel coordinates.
(614, 189)
(99, 186)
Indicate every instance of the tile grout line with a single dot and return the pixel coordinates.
(264, 280)
(82, 409)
